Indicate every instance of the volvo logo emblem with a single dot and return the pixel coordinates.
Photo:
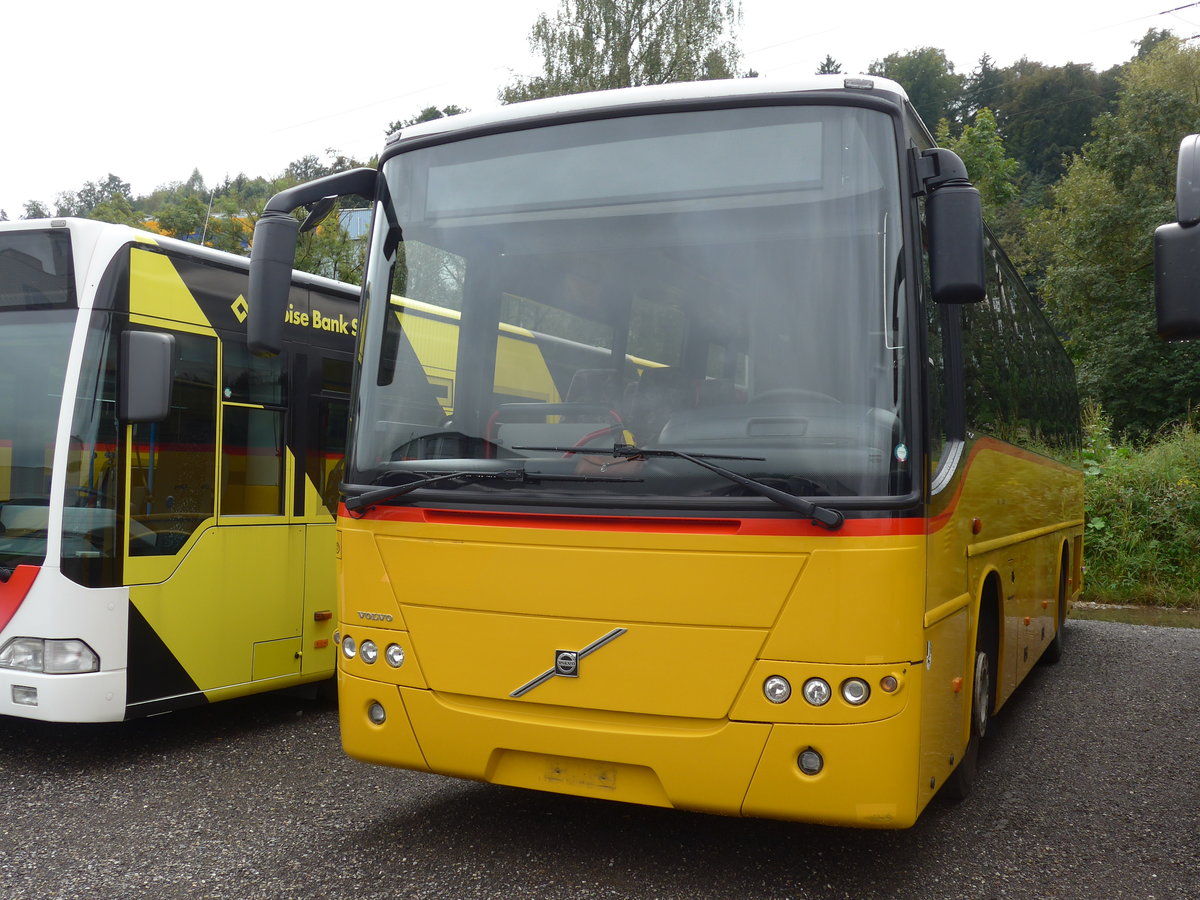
(566, 662)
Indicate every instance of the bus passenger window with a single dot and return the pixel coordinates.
(173, 462)
(252, 462)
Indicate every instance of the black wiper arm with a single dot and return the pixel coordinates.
(821, 515)
(513, 475)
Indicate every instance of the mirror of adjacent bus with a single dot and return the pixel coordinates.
(954, 215)
(147, 370)
(273, 250)
(1177, 252)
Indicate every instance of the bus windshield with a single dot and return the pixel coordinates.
(543, 303)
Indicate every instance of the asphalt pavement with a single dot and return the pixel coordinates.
(1089, 788)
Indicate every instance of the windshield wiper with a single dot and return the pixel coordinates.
(519, 476)
(821, 515)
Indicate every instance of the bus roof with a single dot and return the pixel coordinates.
(92, 229)
(649, 94)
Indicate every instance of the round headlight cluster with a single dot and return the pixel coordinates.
(368, 652)
(818, 692)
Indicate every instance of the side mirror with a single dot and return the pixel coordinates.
(954, 215)
(147, 370)
(273, 251)
(1177, 252)
(272, 255)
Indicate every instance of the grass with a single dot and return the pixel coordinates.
(1142, 538)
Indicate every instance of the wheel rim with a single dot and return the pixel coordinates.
(981, 699)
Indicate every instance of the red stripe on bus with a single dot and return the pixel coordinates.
(13, 592)
(873, 527)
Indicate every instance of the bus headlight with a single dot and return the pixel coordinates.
(817, 691)
(394, 655)
(855, 691)
(52, 656)
(368, 652)
(349, 647)
(777, 689)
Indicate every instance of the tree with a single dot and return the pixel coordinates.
(929, 79)
(428, 114)
(594, 45)
(35, 209)
(829, 66)
(1098, 239)
(91, 195)
(1046, 113)
(117, 209)
(982, 88)
(981, 148)
(183, 217)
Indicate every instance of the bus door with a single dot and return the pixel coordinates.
(319, 441)
(261, 546)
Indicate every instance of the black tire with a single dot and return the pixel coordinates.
(958, 786)
(1054, 650)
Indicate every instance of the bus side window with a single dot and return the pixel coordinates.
(252, 457)
(173, 462)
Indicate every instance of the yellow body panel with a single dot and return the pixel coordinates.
(202, 613)
(669, 709)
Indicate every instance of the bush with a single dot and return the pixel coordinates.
(1142, 541)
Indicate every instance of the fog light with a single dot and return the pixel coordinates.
(810, 762)
(855, 691)
(369, 652)
(394, 655)
(24, 696)
(777, 689)
(817, 691)
(376, 713)
(349, 648)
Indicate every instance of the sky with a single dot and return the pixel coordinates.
(150, 92)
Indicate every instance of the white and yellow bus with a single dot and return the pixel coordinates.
(166, 499)
(789, 569)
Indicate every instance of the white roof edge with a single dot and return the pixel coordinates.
(689, 90)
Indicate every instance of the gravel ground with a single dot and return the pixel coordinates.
(1089, 789)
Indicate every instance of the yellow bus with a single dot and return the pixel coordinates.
(791, 568)
(167, 499)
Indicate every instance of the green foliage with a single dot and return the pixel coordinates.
(595, 45)
(829, 66)
(1046, 113)
(1143, 518)
(92, 195)
(34, 209)
(428, 114)
(981, 148)
(116, 209)
(1097, 240)
(929, 79)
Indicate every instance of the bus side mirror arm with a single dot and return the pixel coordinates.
(273, 249)
(1177, 252)
(954, 216)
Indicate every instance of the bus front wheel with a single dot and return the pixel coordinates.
(958, 786)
